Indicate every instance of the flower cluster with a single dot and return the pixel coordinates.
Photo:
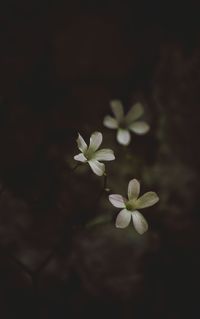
(93, 156)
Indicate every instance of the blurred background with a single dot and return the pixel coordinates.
(60, 65)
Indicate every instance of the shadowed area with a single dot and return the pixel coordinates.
(61, 255)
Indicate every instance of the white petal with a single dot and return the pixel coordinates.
(123, 136)
(117, 200)
(123, 219)
(80, 157)
(139, 222)
(133, 189)
(147, 200)
(81, 144)
(97, 167)
(110, 122)
(135, 112)
(95, 141)
(139, 127)
(117, 108)
(104, 154)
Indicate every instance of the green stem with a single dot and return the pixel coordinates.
(21, 265)
(75, 167)
(105, 183)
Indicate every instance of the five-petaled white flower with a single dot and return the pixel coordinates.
(131, 205)
(126, 123)
(92, 155)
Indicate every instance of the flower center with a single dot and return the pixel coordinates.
(130, 205)
(89, 154)
(123, 124)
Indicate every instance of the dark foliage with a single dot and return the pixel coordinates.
(60, 65)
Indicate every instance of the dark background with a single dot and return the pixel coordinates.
(60, 66)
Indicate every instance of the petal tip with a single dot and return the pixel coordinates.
(110, 197)
(123, 137)
(135, 180)
(118, 226)
(78, 135)
(112, 157)
(97, 132)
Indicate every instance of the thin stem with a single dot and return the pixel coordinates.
(75, 167)
(23, 267)
(105, 190)
(105, 183)
(45, 262)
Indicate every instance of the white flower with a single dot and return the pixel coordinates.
(131, 205)
(92, 155)
(126, 123)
